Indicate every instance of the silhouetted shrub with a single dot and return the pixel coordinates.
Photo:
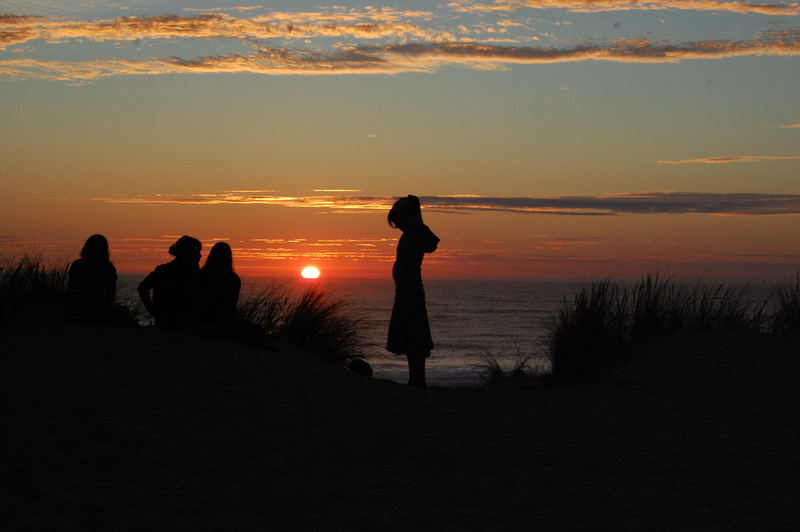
(524, 371)
(785, 318)
(321, 324)
(265, 309)
(588, 331)
(313, 320)
(31, 290)
(604, 318)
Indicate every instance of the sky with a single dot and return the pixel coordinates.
(547, 139)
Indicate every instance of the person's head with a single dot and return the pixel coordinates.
(186, 248)
(405, 212)
(220, 258)
(95, 249)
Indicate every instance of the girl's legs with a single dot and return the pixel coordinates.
(416, 369)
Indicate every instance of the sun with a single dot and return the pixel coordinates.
(310, 272)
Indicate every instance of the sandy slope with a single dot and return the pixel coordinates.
(141, 429)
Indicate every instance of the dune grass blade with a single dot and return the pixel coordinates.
(785, 318)
(30, 289)
(595, 328)
(322, 324)
(589, 330)
(313, 320)
(264, 309)
(491, 370)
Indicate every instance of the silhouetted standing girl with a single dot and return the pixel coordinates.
(409, 331)
(174, 286)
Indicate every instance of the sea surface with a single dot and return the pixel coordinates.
(468, 320)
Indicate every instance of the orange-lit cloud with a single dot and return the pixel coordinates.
(382, 14)
(397, 58)
(20, 29)
(790, 126)
(750, 204)
(731, 159)
(217, 9)
(596, 6)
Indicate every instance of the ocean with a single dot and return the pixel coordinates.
(468, 320)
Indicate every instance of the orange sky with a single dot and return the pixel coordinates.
(557, 139)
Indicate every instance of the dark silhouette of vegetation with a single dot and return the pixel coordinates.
(785, 318)
(30, 289)
(313, 320)
(264, 309)
(524, 371)
(602, 319)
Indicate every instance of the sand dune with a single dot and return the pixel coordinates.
(143, 429)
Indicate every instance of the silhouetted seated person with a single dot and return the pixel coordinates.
(92, 287)
(220, 288)
(174, 286)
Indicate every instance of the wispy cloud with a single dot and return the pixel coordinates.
(217, 9)
(381, 14)
(750, 204)
(362, 25)
(790, 126)
(731, 159)
(596, 6)
(397, 58)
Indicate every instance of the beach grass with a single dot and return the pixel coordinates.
(30, 288)
(524, 370)
(603, 319)
(785, 316)
(322, 324)
(312, 320)
(265, 308)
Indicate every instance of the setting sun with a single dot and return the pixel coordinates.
(310, 272)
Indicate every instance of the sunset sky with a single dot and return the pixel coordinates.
(546, 138)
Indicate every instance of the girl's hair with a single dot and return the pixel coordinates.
(95, 249)
(186, 246)
(405, 212)
(220, 258)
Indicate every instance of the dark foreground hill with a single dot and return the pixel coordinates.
(138, 429)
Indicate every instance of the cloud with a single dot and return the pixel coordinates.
(383, 14)
(790, 126)
(217, 9)
(597, 6)
(731, 159)
(750, 204)
(336, 190)
(398, 58)
(20, 29)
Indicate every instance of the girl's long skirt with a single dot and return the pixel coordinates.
(409, 331)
